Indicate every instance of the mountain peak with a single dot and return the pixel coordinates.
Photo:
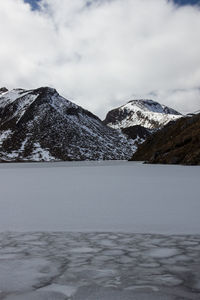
(41, 125)
(46, 89)
(142, 100)
(152, 106)
(145, 112)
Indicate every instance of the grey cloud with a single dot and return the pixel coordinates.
(104, 54)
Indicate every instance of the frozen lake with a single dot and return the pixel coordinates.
(99, 266)
(99, 231)
(100, 196)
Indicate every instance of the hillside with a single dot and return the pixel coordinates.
(177, 143)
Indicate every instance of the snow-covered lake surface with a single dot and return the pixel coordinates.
(100, 196)
(99, 231)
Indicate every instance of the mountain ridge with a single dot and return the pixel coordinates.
(144, 112)
(40, 124)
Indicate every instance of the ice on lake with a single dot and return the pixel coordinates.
(100, 196)
(99, 230)
(52, 268)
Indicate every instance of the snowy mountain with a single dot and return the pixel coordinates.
(40, 125)
(146, 113)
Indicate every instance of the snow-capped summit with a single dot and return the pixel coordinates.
(153, 106)
(40, 125)
(143, 112)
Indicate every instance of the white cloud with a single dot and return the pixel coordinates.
(103, 54)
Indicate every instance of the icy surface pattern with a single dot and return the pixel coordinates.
(105, 266)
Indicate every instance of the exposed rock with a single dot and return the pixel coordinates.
(177, 143)
(3, 90)
(137, 131)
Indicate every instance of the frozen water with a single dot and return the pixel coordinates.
(55, 272)
(62, 289)
(153, 288)
(69, 231)
(162, 252)
(83, 250)
(21, 274)
(49, 269)
(37, 296)
(100, 196)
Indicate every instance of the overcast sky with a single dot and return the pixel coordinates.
(103, 53)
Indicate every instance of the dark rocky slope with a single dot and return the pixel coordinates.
(40, 125)
(177, 143)
(137, 132)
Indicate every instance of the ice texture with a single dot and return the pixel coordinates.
(163, 252)
(44, 266)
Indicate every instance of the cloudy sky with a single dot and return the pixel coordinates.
(103, 53)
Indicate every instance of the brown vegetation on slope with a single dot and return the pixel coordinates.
(177, 143)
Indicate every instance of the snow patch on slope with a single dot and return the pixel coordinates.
(40, 154)
(4, 135)
(59, 103)
(12, 155)
(10, 96)
(146, 113)
(146, 120)
(23, 105)
(22, 99)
